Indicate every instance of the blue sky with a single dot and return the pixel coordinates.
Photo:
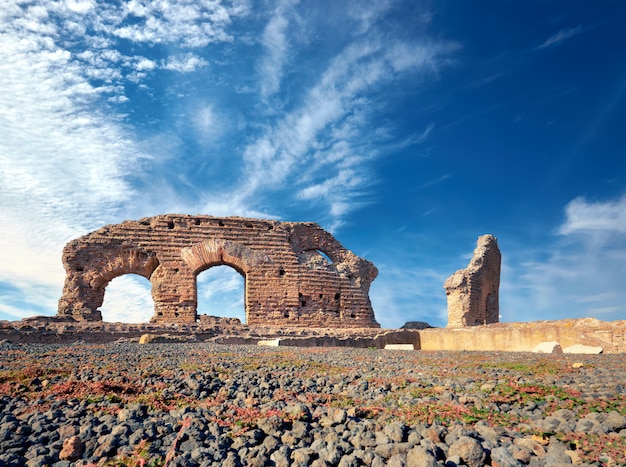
(407, 129)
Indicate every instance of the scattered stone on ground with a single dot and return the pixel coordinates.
(200, 404)
(548, 347)
(581, 348)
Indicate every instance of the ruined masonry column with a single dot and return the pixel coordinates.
(473, 292)
(174, 294)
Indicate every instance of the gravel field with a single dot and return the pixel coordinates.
(206, 404)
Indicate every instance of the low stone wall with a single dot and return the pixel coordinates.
(524, 337)
(506, 337)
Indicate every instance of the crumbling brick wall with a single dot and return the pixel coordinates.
(473, 292)
(288, 278)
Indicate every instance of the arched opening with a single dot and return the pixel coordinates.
(128, 299)
(325, 256)
(314, 259)
(221, 292)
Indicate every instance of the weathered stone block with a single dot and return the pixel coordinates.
(270, 343)
(548, 347)
(583, 349)
(400, 347)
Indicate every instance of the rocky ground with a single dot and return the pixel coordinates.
(206, 404)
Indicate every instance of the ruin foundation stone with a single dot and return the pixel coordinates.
(473, 292)
(295, 274)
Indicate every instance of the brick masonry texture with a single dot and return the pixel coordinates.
(473, 292)
(288, 277)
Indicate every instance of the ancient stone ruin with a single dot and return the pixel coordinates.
(295, 274)
(473, 292)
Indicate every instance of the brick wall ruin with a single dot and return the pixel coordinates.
(473, 292)
(288, 278)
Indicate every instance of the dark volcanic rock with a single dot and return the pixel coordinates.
(209, 405)
(416, 325)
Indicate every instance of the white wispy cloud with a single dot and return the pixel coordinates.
(560, 36)
(392, 145)
(184, 63)
(276, 44)
(128, 299)
(580, 274)
(435, 181)
(91, 31)
(367, 14)
(221, 293)
(336, 104)
(345, 179)
(63, 162)
(82, 7)
(188, 24)
(67, 158)
(410, 293)
(423, 136)
(207, 123)
(16, 302)
(588, 218)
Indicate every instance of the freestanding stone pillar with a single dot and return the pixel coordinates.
(295, 273)
(473, 292)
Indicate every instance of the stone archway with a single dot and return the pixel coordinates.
(286, 283)
(219, 252)
(86, 281)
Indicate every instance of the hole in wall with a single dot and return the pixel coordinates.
(314, 259)
(170, 224)
(325, 256)
(221, 293)
(128, 299)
